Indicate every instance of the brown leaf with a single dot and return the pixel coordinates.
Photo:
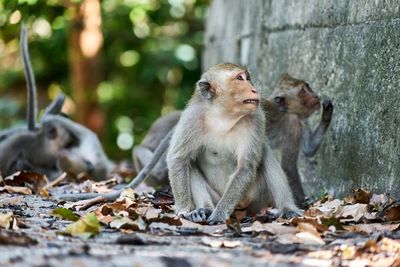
(393, 213)
(272, 228)
(314, 221)
(104, 186)
(359, 196)
(151, 214)
(162, 199)
(307, 227)
(118, 208)
(27, 178)
(371, 228)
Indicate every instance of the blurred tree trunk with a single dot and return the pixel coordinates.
(85, 43)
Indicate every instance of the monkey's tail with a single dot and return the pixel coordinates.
(30, 79)
(143, 174)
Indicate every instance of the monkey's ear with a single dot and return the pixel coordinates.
(206, 89)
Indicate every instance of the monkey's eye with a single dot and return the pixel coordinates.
(279, 100)
(240, 78)
(248, 77)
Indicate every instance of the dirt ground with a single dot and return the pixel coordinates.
(31, 235)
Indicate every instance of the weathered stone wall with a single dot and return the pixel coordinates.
(348, 51)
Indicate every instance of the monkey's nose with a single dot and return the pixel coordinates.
(254, 90)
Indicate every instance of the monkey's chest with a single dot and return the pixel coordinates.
(217, 165)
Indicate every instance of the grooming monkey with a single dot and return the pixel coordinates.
(57, 145)
(287, 109)
(218, 158)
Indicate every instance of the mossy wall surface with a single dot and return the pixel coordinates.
(348, 51)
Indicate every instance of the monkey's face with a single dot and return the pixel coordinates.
(296, 97)
(238, 93)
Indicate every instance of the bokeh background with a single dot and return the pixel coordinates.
(121, 63)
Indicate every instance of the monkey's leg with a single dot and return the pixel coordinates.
(278, 185)
(294, 181)
(313, 141)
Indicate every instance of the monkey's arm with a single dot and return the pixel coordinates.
(184, 146)
(238, 184)
(143, 174)
(312, 141)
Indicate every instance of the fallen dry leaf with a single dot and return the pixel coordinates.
(128, 224)
(393, 213)
(371, 227)
(272, 228)
(8, 221)
(361, 195)
(327, 209)
(310, 238)
(34, 181)
(215, 243)
(85, 227)
(351, 213)
(314, 221)
(307, 227)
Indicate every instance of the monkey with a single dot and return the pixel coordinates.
(219, 158)
(218, 155)
(56, 145)
(143, 153)
(287, 109)
(81, 150)
(140, 177)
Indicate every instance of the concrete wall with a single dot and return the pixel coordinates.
(348, 51)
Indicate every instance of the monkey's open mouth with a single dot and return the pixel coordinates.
(252, 101)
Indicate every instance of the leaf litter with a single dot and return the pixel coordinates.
(362, 229)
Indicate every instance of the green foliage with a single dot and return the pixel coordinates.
(150, 59)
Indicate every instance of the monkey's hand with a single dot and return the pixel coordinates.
(197, 215)
(327, 110)
(217, 217)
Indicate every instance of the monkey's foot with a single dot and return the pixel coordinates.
(215, 218)
(327, 110)
(198, 215)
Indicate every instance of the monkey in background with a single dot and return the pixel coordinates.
(143, 153)
(287, 109)
(56, 145)
(219, 157)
